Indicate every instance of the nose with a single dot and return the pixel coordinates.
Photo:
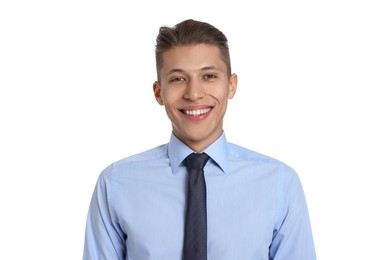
(194, 90)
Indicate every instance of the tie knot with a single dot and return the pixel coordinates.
(197, 160)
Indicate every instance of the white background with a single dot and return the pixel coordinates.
(76, 94)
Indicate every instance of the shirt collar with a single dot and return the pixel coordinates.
(178, 151)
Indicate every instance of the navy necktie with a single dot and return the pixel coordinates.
(195, 236)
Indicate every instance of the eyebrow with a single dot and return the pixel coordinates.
(210, 68)
(173, 71)
(202, 69)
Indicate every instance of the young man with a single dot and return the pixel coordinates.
(255, 205)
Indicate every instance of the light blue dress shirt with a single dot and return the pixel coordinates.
(256, 207)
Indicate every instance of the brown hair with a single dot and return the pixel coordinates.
(190, 32)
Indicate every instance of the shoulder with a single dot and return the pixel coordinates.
(138, 161)
(241, 153)
(286, 179)
(156, 153)
(247, 156)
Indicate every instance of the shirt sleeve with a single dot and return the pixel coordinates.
(292, 239)
(103, 237)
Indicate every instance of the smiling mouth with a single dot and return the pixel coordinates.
(196, 112)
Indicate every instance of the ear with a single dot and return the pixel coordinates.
(232, 85)
(157, 92)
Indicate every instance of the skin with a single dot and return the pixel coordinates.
(195, 89)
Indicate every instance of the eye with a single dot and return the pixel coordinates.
(210, 76)
(176, 79)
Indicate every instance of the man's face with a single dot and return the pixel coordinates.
(195, 88)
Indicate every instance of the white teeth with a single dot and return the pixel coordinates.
(197, 112)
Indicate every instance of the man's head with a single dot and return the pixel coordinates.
(190, 32)
(194, 81)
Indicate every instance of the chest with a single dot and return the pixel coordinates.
(240, 215)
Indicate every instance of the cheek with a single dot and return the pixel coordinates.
(222, 96)
(169, 102)
(170, 96)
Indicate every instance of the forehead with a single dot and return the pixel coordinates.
(192, 57)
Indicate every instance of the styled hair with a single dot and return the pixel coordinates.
(190, 32)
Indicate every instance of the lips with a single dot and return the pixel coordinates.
(196, 112)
